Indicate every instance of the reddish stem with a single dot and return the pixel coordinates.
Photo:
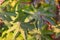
(25, 2)
(49, 25)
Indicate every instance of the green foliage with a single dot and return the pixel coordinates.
(24, 21)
